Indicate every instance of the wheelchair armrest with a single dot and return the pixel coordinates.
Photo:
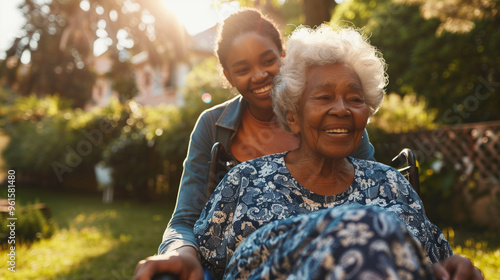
(406, 157)
(218, 166)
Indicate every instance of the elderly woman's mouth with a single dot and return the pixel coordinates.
(337, 131)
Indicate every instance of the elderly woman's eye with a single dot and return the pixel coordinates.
(322, 97)
(357, 100)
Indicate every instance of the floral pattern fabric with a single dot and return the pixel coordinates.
(345, 242)
(262, 191)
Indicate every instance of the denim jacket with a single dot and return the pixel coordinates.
(217, 124)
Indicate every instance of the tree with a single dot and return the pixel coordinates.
(317, 12)
(60, 36)
(456, 73)
(291, 13)
(456, 16)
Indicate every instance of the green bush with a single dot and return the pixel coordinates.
(49, 140)
(398, 115)
(31, 225)
(437, 179)
(402, 114)
(157, 137)
(137, 164)
(60, 147)
(53, 145)
(36, 128)
(205, 77)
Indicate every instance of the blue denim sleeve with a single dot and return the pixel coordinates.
(192, 194)
(365, 149)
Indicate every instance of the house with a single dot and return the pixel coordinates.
(102, 91)
(158, 83)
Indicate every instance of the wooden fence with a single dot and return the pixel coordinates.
(472, 150)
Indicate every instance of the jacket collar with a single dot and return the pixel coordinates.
(232, 114)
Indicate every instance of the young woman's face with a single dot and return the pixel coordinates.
(251, 64)
(333, 113)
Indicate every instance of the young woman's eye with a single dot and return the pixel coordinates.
(241, 71)
(270, 61)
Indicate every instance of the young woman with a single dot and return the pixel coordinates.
(250, 52)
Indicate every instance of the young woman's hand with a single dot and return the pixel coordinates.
(457, 267)
(182, 262)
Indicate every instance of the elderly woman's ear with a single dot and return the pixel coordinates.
(293, 122)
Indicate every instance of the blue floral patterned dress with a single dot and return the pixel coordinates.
(260, 223)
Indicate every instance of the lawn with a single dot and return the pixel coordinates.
(93, 240)
(105, 241)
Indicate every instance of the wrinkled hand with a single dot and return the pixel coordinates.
(457, 267)
(183, 262)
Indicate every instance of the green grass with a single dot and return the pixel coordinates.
(482, 247)
(105, 241)
(4, 141)
(93, 240)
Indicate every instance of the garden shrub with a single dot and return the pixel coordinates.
(133, 156)
(49, 140)
(36, 128)
(447, 199)
(410, 113)
(53, 145)
(437, 179)
(398, 115)
(402, 114)
(31, 225)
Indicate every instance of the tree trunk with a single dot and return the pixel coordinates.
(317, 11)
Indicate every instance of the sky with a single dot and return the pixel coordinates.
(202, 17)
(11, 21)
(196, 15)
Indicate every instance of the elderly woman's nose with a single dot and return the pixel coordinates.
(339, 108)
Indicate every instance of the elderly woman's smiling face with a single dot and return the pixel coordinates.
(333, 113)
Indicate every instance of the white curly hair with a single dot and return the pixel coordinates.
(307, 47)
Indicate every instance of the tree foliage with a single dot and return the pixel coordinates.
(291, 13)
(456, 16)
(60, 36)
(402, 114)
(317, 12)
(457, 73)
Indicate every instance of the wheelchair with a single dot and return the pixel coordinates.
(220, 163)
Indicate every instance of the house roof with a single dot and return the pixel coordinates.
(139, 58)
(205, 41)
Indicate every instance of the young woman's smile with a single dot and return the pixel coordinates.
(251, 65)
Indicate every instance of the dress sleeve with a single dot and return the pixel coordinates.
(213, 229)
(413, 214)
(365, 149)
(192, 194)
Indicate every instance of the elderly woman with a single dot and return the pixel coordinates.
(315, 212)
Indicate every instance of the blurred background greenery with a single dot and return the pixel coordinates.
(443, 65)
